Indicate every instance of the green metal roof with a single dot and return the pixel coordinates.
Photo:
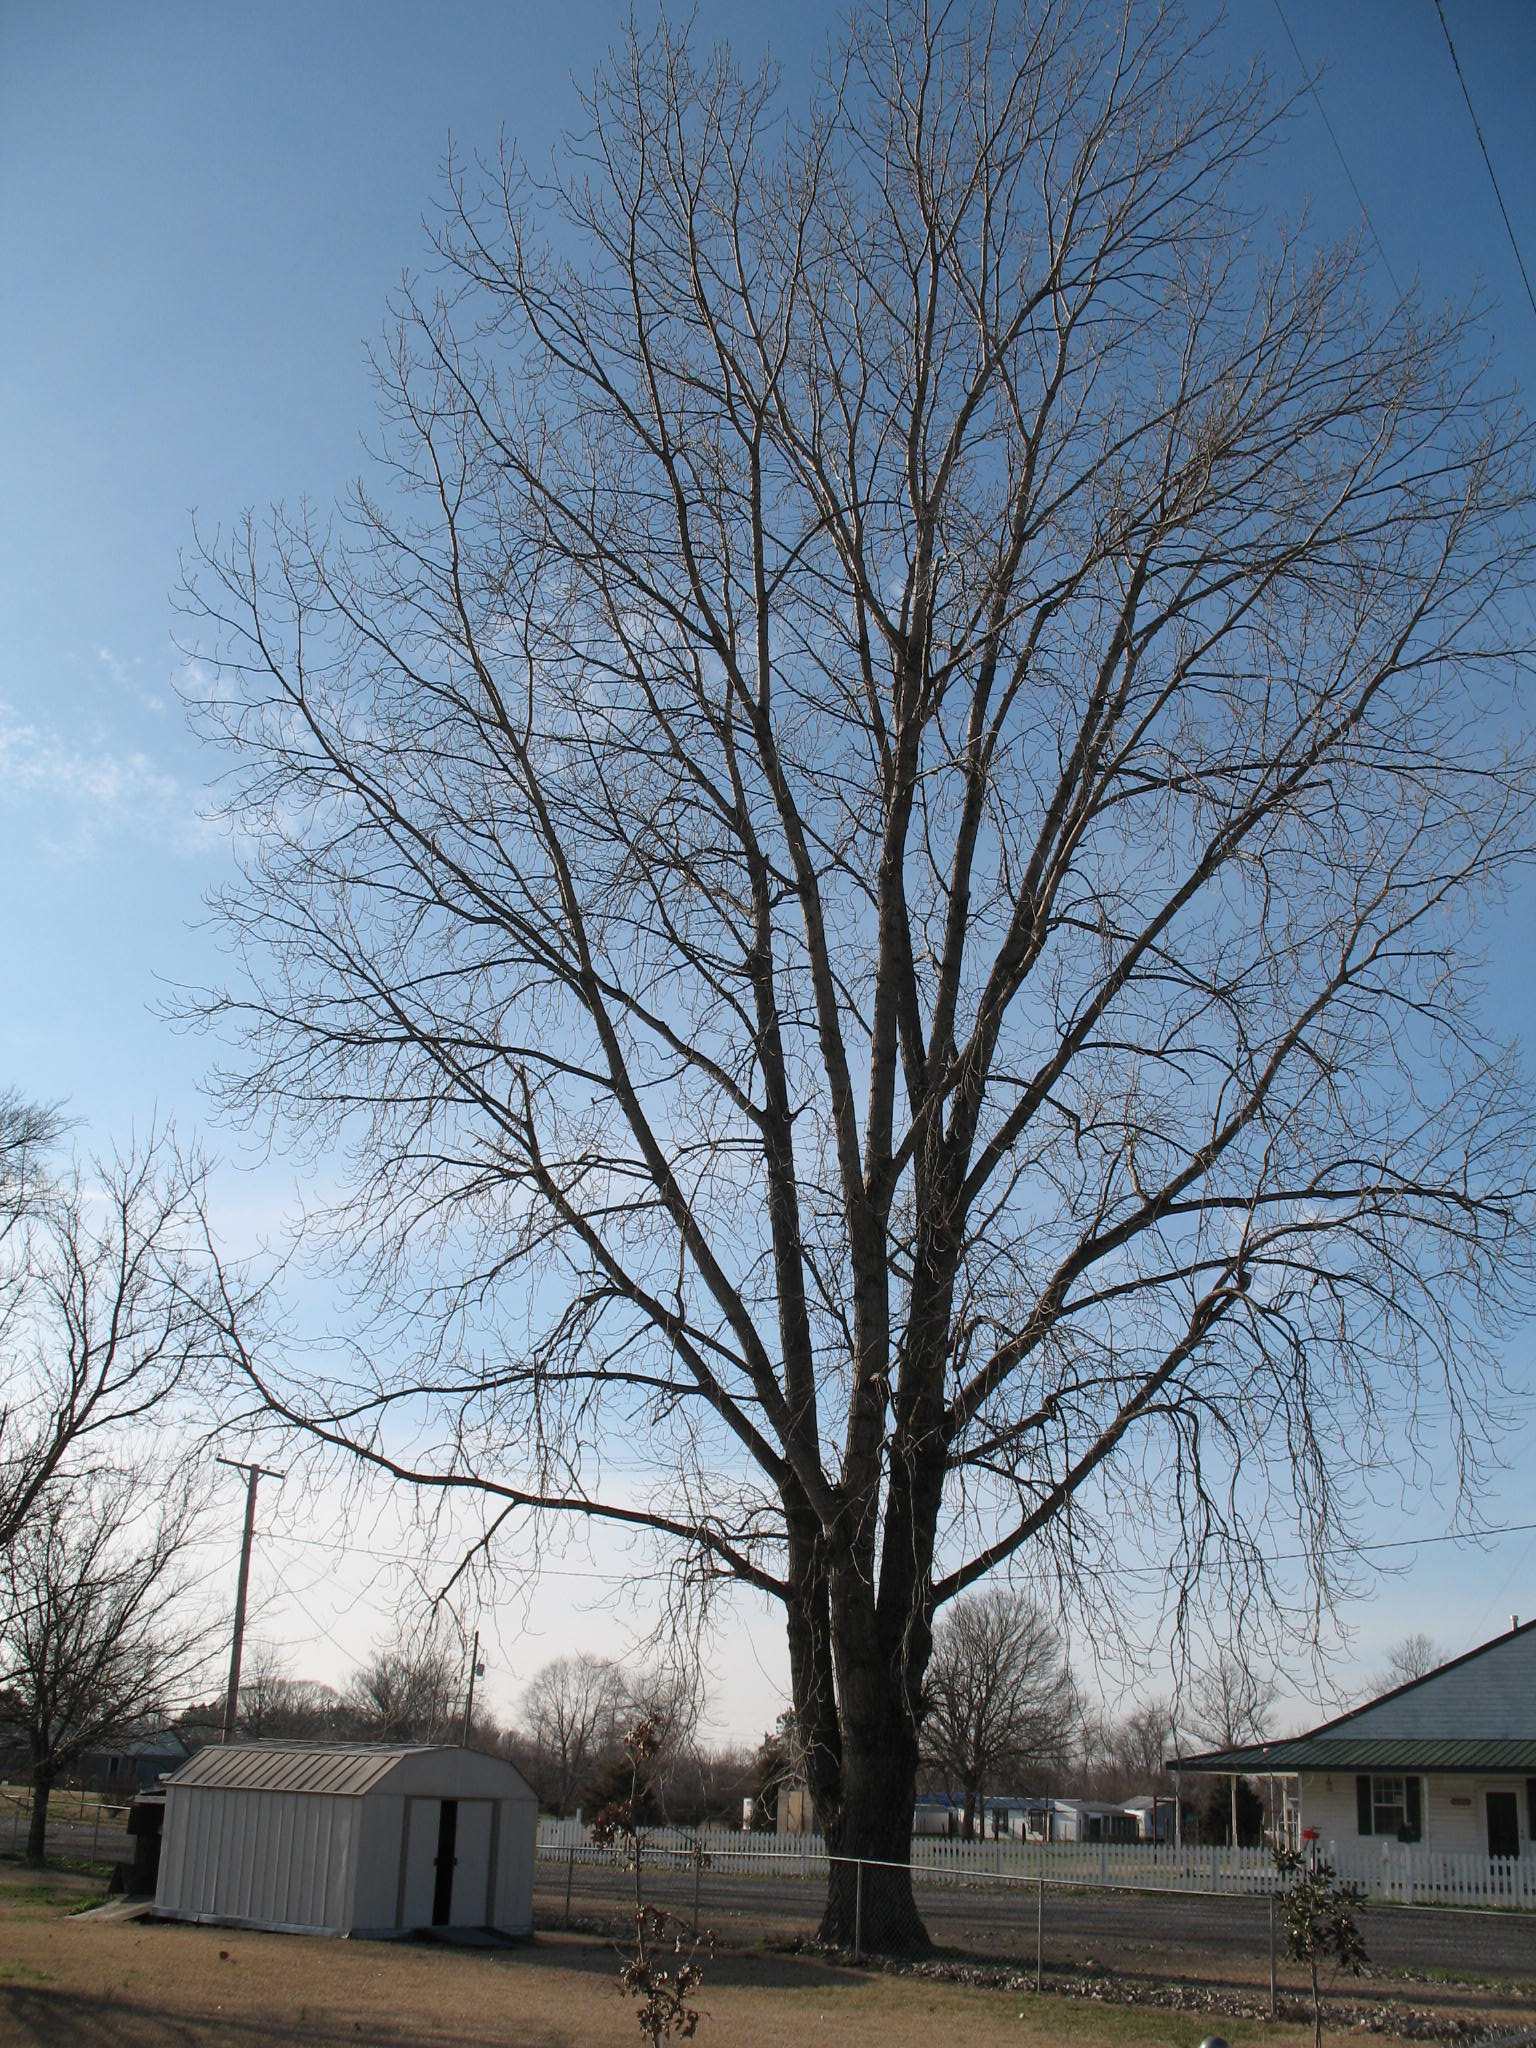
(1367, 1753)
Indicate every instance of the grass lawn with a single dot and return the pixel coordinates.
(67, 1982)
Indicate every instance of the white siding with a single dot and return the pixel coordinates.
(377, 1886)
(514, 1865)
(1451, 1827)
(270, 1859)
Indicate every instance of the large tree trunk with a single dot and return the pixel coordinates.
(874, 1829)
(37, 1827)
(866, 1810)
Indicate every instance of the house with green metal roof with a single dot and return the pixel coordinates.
(1447, 1760)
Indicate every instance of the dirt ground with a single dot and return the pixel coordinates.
(68, 1982)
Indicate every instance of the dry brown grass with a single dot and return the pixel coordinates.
(72, 1983)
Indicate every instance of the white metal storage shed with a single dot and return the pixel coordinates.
(348, 1840)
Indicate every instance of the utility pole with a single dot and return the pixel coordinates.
(253, 1473)
(476, 1670)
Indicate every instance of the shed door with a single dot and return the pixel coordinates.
(423, 1819)
(472, 1877)
(1503, 1824)
(447, 1863)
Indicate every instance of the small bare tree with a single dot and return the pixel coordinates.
(1143, 1740)
(115, 1299)
(274, 1705)
(1130, 1754)
(572, 1711)
(1414, 1657)
(1000, 1696)
(1230, 1704)
(99, 1629)
(29, 1134)
(409, 1690)
(868, 838)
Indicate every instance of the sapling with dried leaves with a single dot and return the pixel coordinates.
(665, 1969)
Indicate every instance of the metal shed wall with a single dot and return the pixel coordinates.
(282, 1859)
(320, 1840)
(514, 1887)
(381, 1819)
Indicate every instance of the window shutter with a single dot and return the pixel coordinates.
(1363, 1803)
(1414, 1788)
(1530, 1808)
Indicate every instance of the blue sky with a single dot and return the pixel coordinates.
(202, 210)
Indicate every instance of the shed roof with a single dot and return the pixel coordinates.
(342, 1770)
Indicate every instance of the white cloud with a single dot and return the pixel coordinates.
(90, 789)
(123, 675)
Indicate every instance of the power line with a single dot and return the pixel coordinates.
(597, 1574)
(1525, 276)
(1317, 100)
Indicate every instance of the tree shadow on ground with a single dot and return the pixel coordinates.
(32, 2017)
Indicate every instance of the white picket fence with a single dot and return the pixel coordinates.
(1396, 1874)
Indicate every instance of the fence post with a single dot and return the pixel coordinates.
(95, 1832)
(570, 1872)
(698, 1872)
(1272, 1955)
(858, 1909)
(1040, 1926)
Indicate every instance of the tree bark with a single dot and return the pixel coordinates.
(875, 1828)
(37, 1826)
(866, 1813)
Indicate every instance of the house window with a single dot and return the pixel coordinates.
(1389, 1806)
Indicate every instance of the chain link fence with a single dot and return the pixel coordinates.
(1036, 1926)
(82, 1827)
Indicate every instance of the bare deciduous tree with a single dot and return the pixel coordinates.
(867, 838)
(572, 1713)
(1143, 1741)
(276, 1706)
(1230, 1704)
(98, 1629)
(1414, 1657)
(999, 1698)
(1130, 1754)
(29, 1132)
(410, 1690)
(115, 1297)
